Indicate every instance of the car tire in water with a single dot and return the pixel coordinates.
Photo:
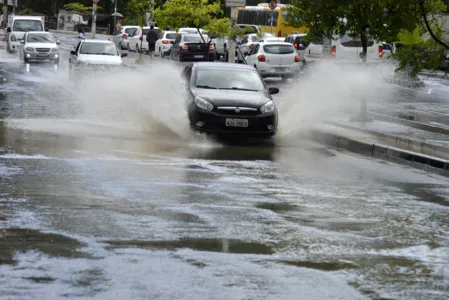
(137, 48)
(180, 58)
(161, 54)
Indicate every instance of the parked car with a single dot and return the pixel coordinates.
(94, 54)
(121, 38)
(165, 43)
(230, 99)
(274, 59)
(190, 30)
(138, 39)
(299, 42)
(348, 48)
(247, 43)
(39, 46)
(192, 47)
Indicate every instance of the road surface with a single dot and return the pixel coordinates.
(105, 195)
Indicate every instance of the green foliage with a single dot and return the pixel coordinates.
(138, 8)
(187, 13)
(418, 52)
(27, 12)
(222, 28)
(80, 8)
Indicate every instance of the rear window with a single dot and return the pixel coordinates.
(279, 49)
(129, 31)
(195, 38)
(171, 36)
(145, 31)
(348, 41)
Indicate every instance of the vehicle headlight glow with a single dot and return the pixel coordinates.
(29, 49)
(201, 103)
(268, 107)
(54, 49)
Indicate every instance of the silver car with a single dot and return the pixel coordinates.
(39, 45)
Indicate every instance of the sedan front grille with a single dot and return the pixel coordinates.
(237, 111)
(43, 49)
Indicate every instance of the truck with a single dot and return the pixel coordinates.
(18, 26)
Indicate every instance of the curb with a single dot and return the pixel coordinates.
(435, 150)
(420, 161)
(408, 123)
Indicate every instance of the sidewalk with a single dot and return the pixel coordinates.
(420, 148)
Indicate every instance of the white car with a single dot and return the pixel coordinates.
(248, 41)
(138, 39)
(121, 38)
(272, 40)
(349, 49)
(39, 46)
(191, 30)
(274, 59)
(19, 26)
(165, 43)
(94, 53)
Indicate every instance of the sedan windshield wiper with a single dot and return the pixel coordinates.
(206, 87)
(239, 89)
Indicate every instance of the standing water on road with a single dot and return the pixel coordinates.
(98, 202)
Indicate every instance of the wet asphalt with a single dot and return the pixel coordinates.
(106, 201)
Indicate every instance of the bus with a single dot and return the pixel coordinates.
(270, 21)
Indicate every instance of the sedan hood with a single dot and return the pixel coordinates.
(100, 59)
(233, 97)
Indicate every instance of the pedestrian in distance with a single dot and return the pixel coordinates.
(80, 34)
(152, 37)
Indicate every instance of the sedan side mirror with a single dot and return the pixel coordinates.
(58, 42)
(73, 52)
(124, 54)
(273, 90)
(22, 41)
(8, 29)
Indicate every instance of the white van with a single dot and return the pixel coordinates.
(18, 26)
(347, 48)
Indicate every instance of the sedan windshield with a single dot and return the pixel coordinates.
(228, 79)
(40, 38)
(27, 25)
(99, 49)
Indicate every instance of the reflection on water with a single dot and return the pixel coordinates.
(214, 245)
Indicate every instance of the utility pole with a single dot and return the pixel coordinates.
(94, 17)
(231, 39)
(115, 16)
(14, 7)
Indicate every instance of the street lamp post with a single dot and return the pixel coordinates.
(94, 17)
(115, 15)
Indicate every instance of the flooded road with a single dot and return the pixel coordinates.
(107, 199)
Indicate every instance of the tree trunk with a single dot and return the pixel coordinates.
(364, 39)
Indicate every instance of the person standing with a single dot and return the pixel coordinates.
(80, 34)
(152, 38)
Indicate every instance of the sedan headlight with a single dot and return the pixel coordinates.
(54, 49)
(29, 49)
(268, 107)
(201, 103)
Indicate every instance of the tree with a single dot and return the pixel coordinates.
(364, 19)
(187, 13)
(78, 8)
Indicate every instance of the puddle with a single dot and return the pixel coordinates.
(322, 266)
(21, 240)
(211, 245)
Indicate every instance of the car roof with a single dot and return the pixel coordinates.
(97, 41)
(27, 18)
(221, 65)
(40, 32)
(275, 43)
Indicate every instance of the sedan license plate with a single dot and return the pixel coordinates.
(199, 56)
(43, 55)
(279, 69)
(237, 122)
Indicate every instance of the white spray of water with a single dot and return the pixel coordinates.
(327, 90)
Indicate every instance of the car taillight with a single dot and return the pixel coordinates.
(380, 51)
(251, 46)
(124, 36)
(261, 57)
(164, 42)
(296, 45)
(297, 58)
(334, 50)
(211, 47)
(141, 38)
(185, 47)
